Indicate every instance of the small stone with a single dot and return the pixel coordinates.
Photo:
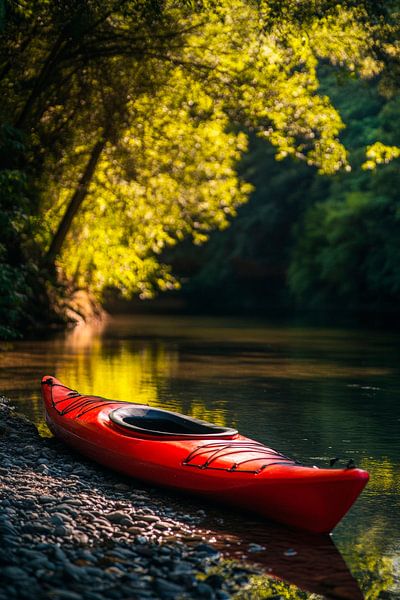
(182, 566)
(205, 591)
(255, 548)
(123, 487)
(37, 528)
(141, 539)
(59, 554)
(150, 518)
(72, 501)
(116, 516)
(162, 525)
(81, 538)
(135, 530)
(46, 499)
(57, 519)
(215, 581)
(168, 589)
(13, 573)
(126, 521)
(143, 524)
(77, 573)
(114, 570)
(61, 508)
(206, 549)
(58, 594)
(61, 531)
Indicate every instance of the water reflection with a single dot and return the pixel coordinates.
(310, 393)
(300, 561)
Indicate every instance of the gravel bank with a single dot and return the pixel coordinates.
(70, 530)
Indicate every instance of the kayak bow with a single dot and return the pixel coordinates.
(216, 463)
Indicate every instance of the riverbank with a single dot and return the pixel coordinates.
(72, 530)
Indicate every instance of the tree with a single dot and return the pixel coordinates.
(83, 80)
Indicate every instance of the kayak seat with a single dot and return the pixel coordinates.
(156, 421)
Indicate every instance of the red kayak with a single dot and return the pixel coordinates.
(216, 463)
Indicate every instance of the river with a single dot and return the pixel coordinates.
(312, 393)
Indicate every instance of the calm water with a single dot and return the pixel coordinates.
(311, 393)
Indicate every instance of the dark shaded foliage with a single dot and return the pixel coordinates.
(307, 241)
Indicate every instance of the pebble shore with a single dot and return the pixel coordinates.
(70, 530)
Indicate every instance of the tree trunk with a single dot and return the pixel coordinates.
(75, 203)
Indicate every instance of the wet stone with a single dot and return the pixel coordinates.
(121, 486)
(37, 528)
(14, 573)
(168, 589)
(141, 539)
(206, 549)
(205, 591)
(81, 538)
(149, 518)
(65, 595)
(57, 519)
(116, 517)
(221, 595)
(255, 548)
(162, 525)
(134, 530)
(215, 581)
(62, 531)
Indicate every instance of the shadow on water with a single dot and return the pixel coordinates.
(309, 562)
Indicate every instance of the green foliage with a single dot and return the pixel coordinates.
(135, 113)
(347, 251)
(336, 237)
(378, 154)
(171, 175)
(13, 219)
(13, 298)
(244, 267)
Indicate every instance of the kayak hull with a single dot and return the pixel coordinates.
(229, 469)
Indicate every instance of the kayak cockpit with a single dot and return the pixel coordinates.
(159, 422)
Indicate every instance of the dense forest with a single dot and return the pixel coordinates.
(306, 242)
(130, 126)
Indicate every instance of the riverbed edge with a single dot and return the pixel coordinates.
(73, 530)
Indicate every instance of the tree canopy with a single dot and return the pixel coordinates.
(134, 113)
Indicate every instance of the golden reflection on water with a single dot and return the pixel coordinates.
(183, 364)
(129, 373)
(384, 476)
(124, 375)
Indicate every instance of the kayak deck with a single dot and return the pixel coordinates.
(213, 462)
